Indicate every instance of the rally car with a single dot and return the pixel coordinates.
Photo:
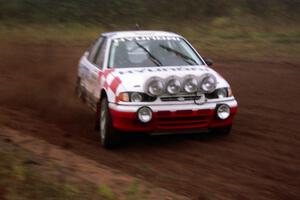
(152, 82)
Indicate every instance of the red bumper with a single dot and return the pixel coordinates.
(167, 121)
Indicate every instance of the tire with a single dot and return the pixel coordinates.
(223, 131)
(110, 138)
(97, 117)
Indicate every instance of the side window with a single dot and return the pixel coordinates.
(94, 49)
(100, 55)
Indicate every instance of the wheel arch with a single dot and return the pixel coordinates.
(103, 94)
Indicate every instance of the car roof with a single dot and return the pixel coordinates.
(140, 33)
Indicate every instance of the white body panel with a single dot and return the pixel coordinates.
(133, 79)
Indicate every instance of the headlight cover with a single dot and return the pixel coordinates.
(173, 85)
(154, 86)
(136, 97)
(222, 92)
(190, 84)
(208, 83)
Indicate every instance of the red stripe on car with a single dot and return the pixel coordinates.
(106, 72)
(115, 84)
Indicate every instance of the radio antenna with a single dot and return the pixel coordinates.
(137, 26)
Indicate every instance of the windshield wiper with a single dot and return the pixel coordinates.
(178, 53)
(153, 58)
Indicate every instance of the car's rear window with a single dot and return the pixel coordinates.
(149, 52)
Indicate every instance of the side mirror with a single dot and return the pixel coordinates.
(209, 62)
(86, 54)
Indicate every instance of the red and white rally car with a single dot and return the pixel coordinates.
(152, 82)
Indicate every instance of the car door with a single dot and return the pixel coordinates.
(98, 67)
(93, 64)
(86, 66)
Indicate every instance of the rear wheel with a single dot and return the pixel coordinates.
(110, 137)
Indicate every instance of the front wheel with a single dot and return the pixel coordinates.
(110, 137)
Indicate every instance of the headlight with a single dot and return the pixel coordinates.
(173, 85)
(223, 111)
(190, 84)
(144, 114)
(155, 86)
(208, 83)
(222, 92)
(136, 97)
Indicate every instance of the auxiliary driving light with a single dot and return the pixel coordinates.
(144, 114)
(208, 83)
(173, 85)
(155, 86)
(190, 84)
(223, 111)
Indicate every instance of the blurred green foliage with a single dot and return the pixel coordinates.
(240, 28)
(107, 12)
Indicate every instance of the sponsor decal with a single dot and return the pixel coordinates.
(156, 69)
(180, 98)
(143, 38)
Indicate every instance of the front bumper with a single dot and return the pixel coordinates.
(171, 118)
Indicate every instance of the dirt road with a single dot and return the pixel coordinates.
(259, 160)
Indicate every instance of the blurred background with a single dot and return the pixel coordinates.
(242, 26)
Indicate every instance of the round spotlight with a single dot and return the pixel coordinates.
(223, 111)
(154, 86)
(144, 114)
(208, 83)
(190, 84)
(173, 85)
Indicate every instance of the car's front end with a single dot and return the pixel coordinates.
(165, 100)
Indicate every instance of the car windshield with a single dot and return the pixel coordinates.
(149, 52)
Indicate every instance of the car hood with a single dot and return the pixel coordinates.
(133, 79)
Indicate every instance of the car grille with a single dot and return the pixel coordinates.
(187, 98)
(178, 98)
(183, 119)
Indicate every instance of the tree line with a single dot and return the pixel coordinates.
(124, 11)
